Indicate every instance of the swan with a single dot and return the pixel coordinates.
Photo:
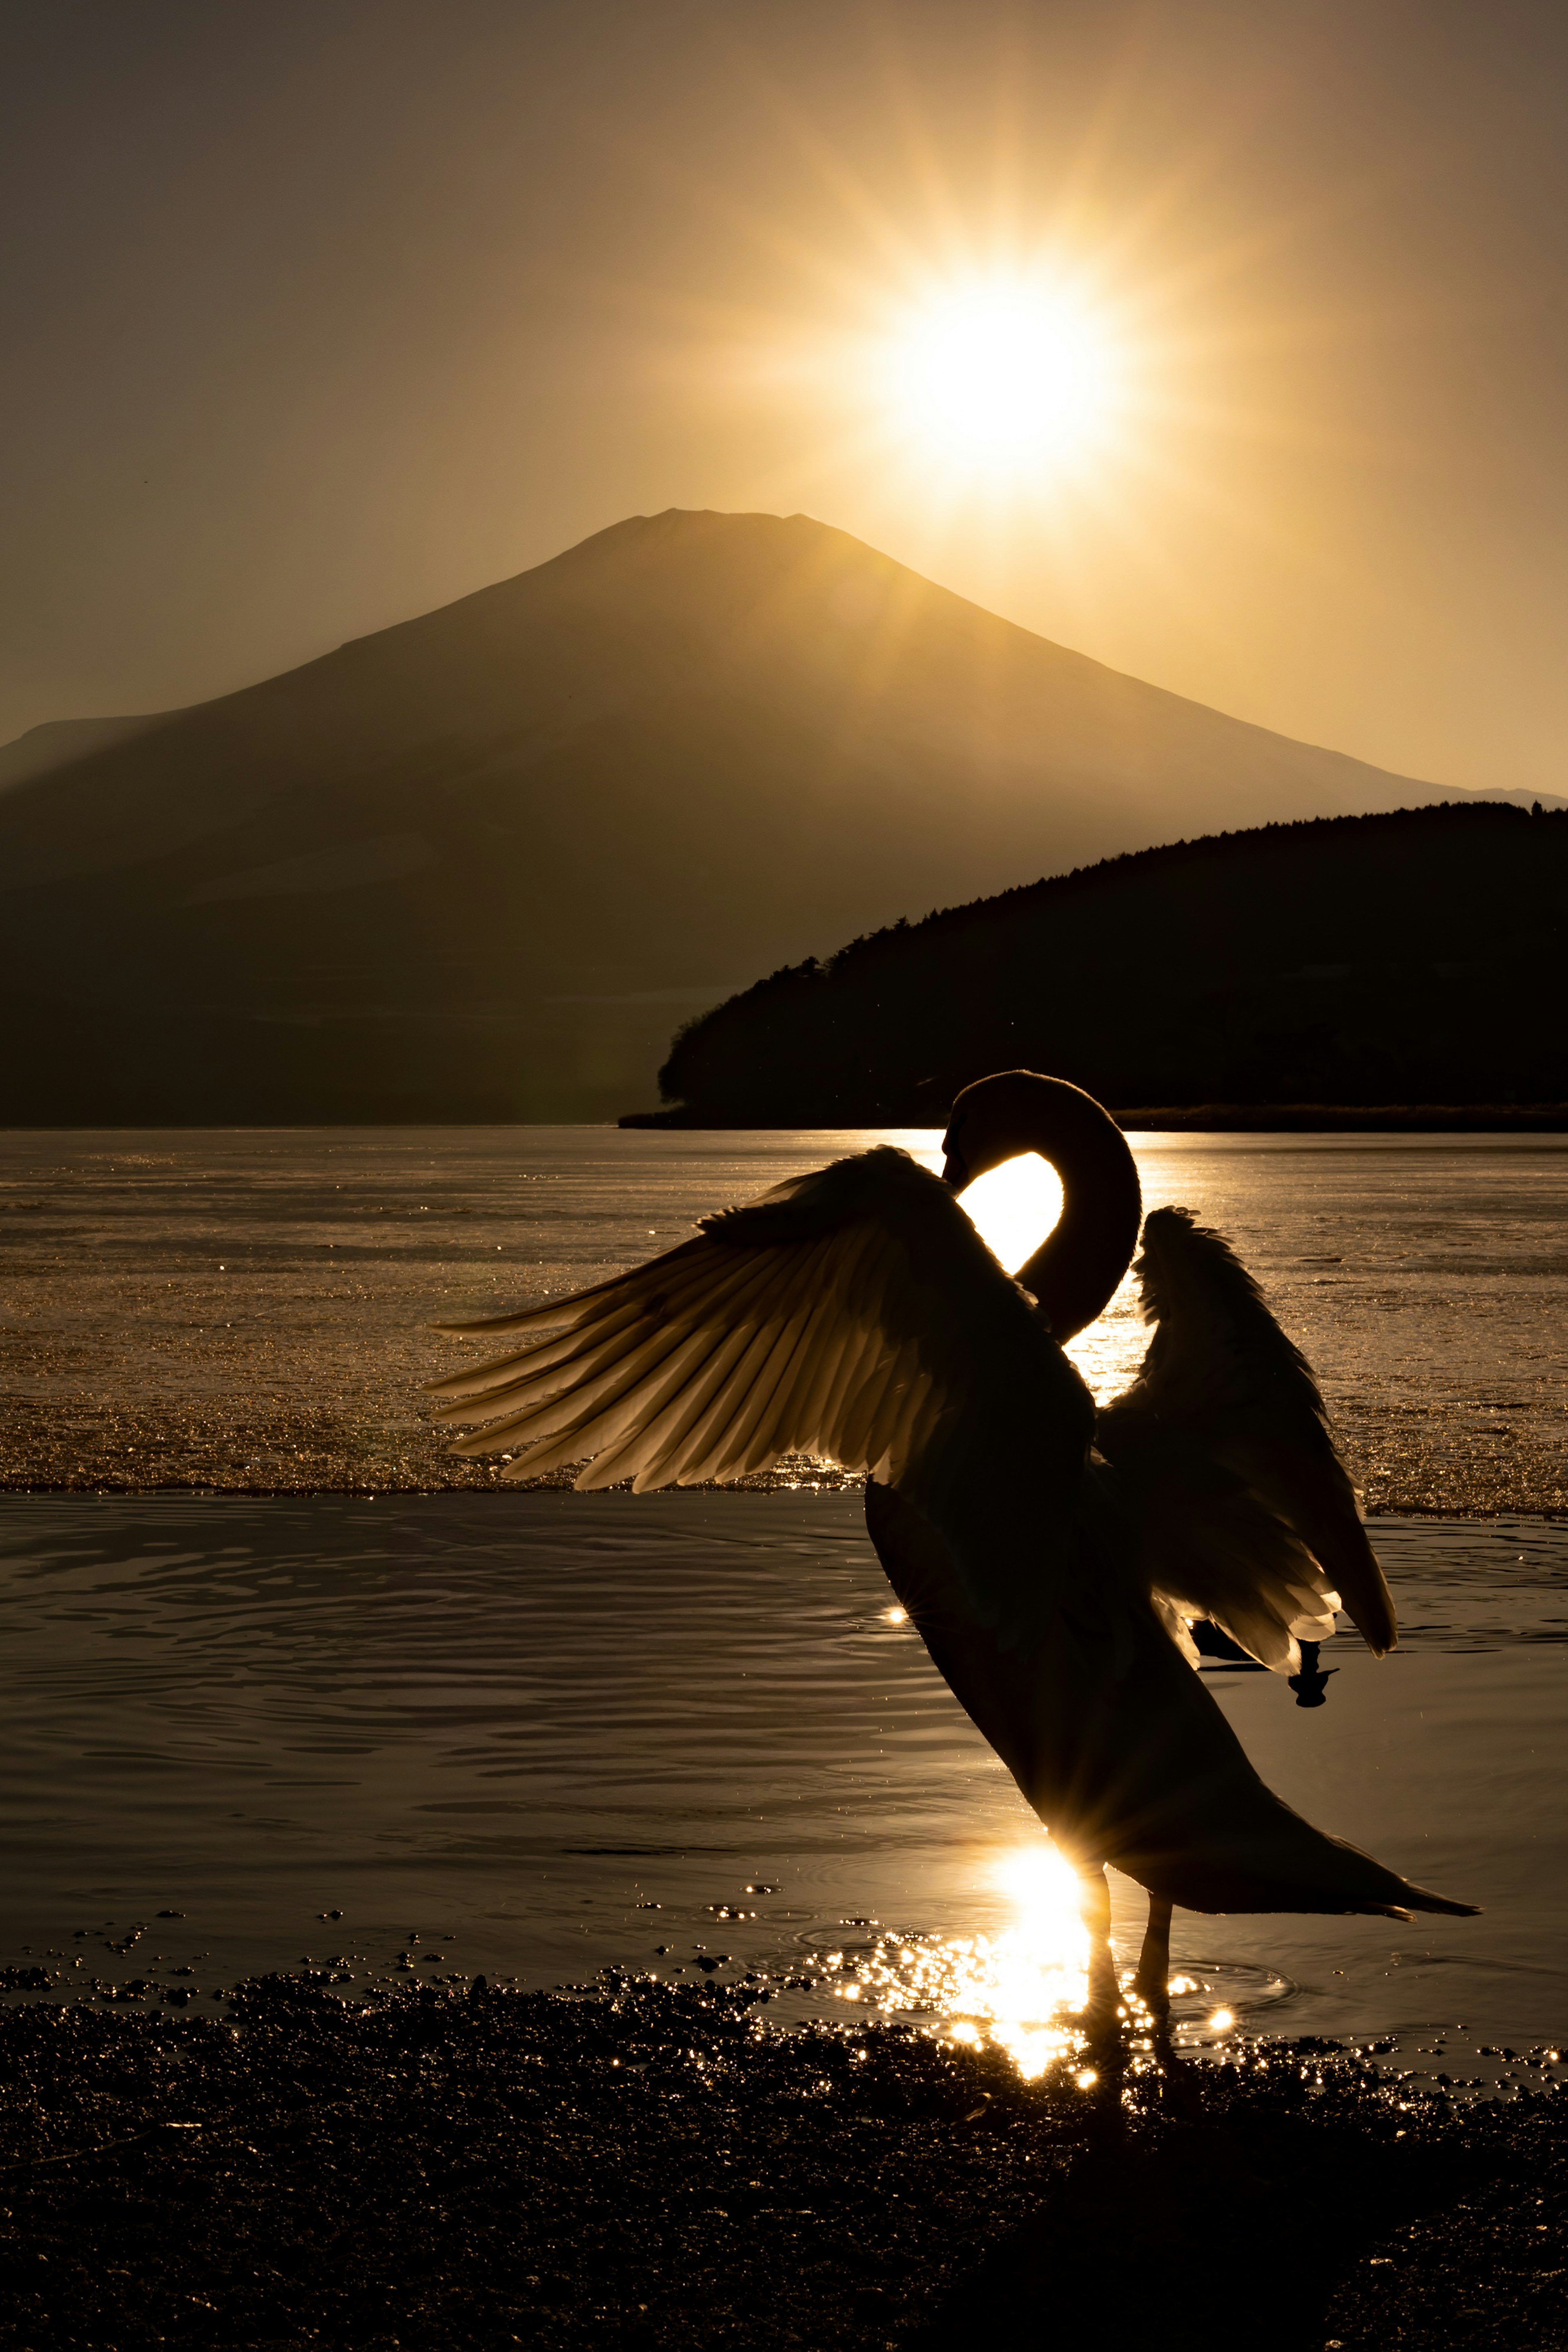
(1050, 1556)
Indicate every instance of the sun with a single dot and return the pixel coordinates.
(1004, 376)
(1014, 1206)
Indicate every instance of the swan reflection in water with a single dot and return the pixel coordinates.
(1052, 1554)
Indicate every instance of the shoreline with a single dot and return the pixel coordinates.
(632, 2165)
(1201, 1119)
(1550, 1512)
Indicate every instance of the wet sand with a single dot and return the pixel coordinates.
(637, 2166)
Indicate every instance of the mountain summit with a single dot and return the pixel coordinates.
(480, 865)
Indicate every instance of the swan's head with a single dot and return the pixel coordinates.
(982, 1130)
(1018, 1111)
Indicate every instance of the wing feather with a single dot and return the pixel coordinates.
(852, 1313)
(901, 1377)
(1245, 1506)
(605, 1421)
(544, 1356)
(589, 1365)
(575, 1307)
(638, 1398)
(863, 1344)
(670, 1439)
(653, 1452)
(710, 1441)
(613, 1308)
(774, 1402)
(736, 1434)
(605, 1377)
(816, 1359)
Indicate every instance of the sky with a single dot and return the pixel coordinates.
(316, 314)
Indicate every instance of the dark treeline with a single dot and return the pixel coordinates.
(1410, 958)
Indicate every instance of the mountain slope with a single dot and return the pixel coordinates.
(480, 864)
(1415, 957)
(59, 743)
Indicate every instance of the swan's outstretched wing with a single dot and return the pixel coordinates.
(853, 1313)
(1248, 1515)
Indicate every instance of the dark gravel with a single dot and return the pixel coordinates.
(642, 2166)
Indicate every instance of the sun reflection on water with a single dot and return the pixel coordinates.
(1020, 1988)
(1024, 1987)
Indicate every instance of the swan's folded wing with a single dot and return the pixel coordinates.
(1210, 1547)
(1224, 1435)
(853, 1313)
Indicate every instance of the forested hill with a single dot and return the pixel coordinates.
(1411, 958)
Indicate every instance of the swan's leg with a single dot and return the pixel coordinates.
(1096, 1911)
(1152, 1982)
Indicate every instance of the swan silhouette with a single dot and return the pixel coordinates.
(1050, 1556)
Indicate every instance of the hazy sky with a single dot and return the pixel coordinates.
(318, 313)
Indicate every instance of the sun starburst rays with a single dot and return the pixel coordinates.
(1007, 373)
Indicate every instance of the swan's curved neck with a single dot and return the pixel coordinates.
(1076, 1269)
(1080, 1263)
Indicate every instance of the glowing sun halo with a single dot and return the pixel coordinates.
(1003, 377)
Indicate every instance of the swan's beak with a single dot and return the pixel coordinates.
(955, 1171)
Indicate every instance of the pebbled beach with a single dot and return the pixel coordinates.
(630, 2165)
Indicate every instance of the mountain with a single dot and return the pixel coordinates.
(1410, 958)
(60, 743)
(480, 865)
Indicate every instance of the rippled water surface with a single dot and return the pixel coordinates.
(513, 1723)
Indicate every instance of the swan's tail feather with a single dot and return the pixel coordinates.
(1337, 1879)
(1116, 1744)
(1140, 1769)
(1253, 1852)
(1421, 1898)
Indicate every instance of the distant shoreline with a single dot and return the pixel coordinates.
(1213, 1118)
(1224, 1118)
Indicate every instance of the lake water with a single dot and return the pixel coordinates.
(251, 1308)
(511, 1723)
